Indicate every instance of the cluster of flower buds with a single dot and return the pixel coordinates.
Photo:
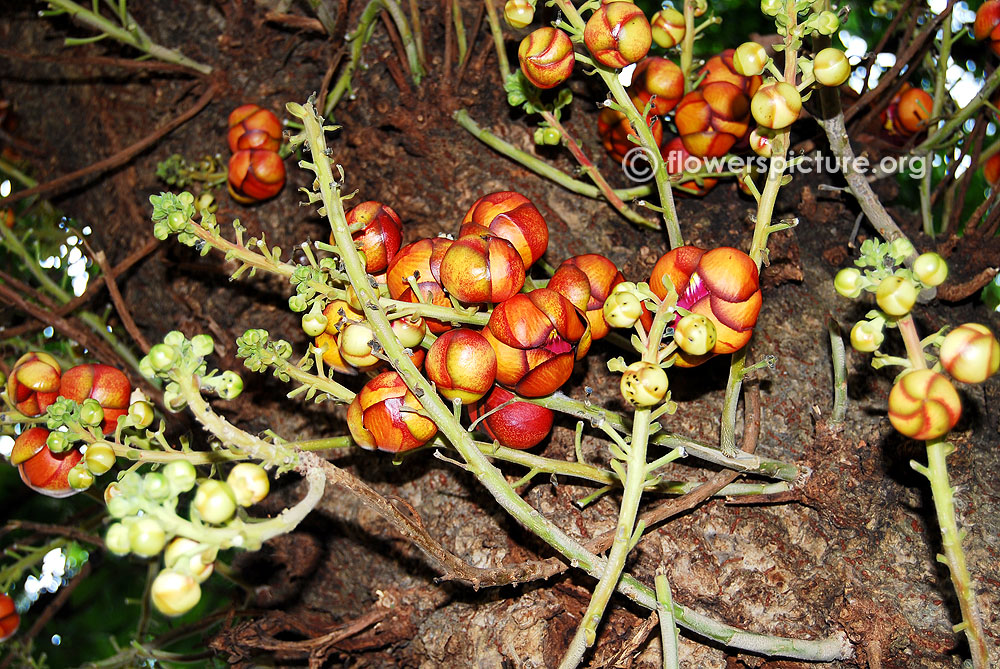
(96, 398)
(533, 338)
(923, 403)
(256, 170)
(146, 524)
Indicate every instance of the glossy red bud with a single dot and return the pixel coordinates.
(519, 425)
(255, 175)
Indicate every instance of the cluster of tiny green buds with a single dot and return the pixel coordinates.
(824, 23)
(171, 213)
(547, 136)
(62, 412)
(258, 353)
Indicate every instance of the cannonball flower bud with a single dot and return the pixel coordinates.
(255, 175)
(141, 414)
(116, 539)
(42, 470)
(722, 67)
(618, 34)
(249, 483)
(9, 618)
(762, 141)
(721, 284)
(713, 118)
(462, 365)
(409, 330)
(155, 486)
(190, 557)
(422, 257)
(924, 405)
(518, 13)
(513, 217)
(831, 67)
(80, 478)
(379, 236)
(181, 475)
(100, 458)
(252, 127)
(173, 593)
(535, 337)
(776, 105)
(146, 537)
(749, 59)
(849, 282)
(667, 27)
(695, 334)
(826, 23)
(355, 346)
(896, 295)
(987, 25)
(214, 501)
(913, 110)
(867, 336)
(33, 383)
(518, 425)
(546, 57)
(622, 309)
(109, 386)
(482, 269)
(617, 135)
(930, 269)
(384, 415)
(970, 353)
(600, 276)
(658, 82)
(644, 384)
(314, 324)
(771, 7)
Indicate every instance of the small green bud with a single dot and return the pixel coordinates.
(162, 357)
(58, 442)
(99, 458)
(79, 477)
(155, 486)
(297, 303)
(146, 537)
(181, 475)
(116, 539)
(202, 345)
(849, 282)
(141, 414)
(91, 412)
(231, 385)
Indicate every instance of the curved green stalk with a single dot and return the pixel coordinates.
(129, 33)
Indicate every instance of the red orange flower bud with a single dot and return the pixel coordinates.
(914, 109)
(255, 175)
(601, 276)
(987, 25)
(546, 57)
(384, 416)
(618, 34)
(109, 386)
(970, 353)
(713, 118)
(33, 383)
(991, 170)
(512, 216)
(42, 470)
(482, 268)
(924, 405)
(657, 80)
(380, 235)
(721, 284)
(9, 619)
(776, 105)
(252, 127)
(535, 336)
(462, 365)
(668, 27)
(615, 130)
(518, 425)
